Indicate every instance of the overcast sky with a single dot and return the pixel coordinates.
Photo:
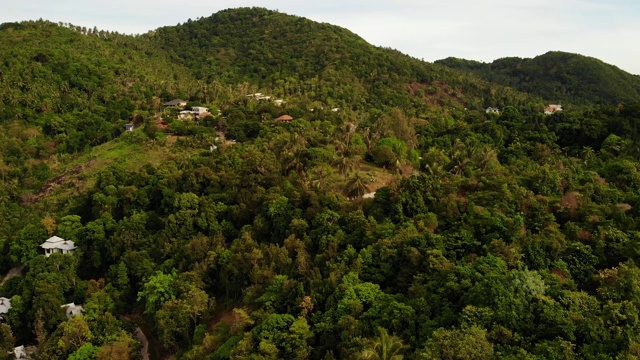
(473, 29)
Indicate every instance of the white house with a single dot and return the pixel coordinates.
(259, 96)
(279, 102)
(197, 110)
(129, 127)
(19, 352)
(176, 103)
(72, 310)
(552, 109)
(5, 306)
(370, 195)
(492, 110)
(56, 244)
(186, 114)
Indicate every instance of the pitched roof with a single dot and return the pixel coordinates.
(5, 305)
(55, 242)
(174, 102)
(284, 118)
(161, 124)
(72, 309)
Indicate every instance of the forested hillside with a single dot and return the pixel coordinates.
(377, 206)
(558, 77)
(291, 55)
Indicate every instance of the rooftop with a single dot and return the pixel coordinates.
(5, 305)
(56, 242)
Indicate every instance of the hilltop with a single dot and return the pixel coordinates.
(558, 77)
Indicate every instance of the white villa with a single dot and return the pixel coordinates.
(71, 310)
(552, 109)
(56, 244)
(186, 114)
(5, 306)
(197, 110)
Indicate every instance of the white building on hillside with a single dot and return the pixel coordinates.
(56, 244)
(5, 306)
(72, 310)
(197, 110)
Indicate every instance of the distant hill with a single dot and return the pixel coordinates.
(48, 68)
(558, 77)
(291, 55)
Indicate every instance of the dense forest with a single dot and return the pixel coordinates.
(558, 77)
(389, 216)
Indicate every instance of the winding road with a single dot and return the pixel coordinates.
(145, 343)
(13, 272)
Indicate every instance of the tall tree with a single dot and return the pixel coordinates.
(383, 347)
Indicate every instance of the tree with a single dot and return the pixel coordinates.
(25, 246)
(157, 290)
(7, 341)
(49, 223)
(356, 186)
(173, 325)
(86, 352)
(122, 348)
(459, 344)
(75, 332)
(383, 347)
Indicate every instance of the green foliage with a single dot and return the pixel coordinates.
(459, 344)
(86, 351)
(490, 236)
(558, 76)
(157, 290)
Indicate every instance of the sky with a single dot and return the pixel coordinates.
(482, 30)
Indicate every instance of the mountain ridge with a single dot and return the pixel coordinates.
(557, 76)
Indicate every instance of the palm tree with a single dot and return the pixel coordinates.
(383, 347)
(356, 186)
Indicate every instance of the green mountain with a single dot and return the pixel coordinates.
(66, 88)
(558, 77)
(290, 55)
(403, 220)
(55, 68)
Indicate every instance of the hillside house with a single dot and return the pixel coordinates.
(284, 118)
(259, 96)
(56, 244)
(5, 306)
(492, 110)
(176, 103)
(203, 115)
(279, 102)
(72, 310)
(370, 195)
(24, 353)
(552, 109)
(128, 127)
(199, 110)
(186, 115)
(161, 124)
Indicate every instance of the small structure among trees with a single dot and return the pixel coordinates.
(284, 118)
(57, 244)
(72, 310)
(5, 306)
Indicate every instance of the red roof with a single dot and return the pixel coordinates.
(161, 124)
(284, 118)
